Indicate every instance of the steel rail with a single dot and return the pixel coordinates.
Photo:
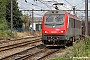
(21, 46)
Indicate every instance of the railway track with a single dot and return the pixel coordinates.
(33, 54)
(8, 40)
(3, 41)
(9, 50)
(27, 50)
(4, 48)
(17, 41)
(41, 54)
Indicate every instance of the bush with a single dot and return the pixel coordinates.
(4, 33)
(7, 33)
(63, 58)
(80, 51)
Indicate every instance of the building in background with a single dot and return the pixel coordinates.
(36, 24)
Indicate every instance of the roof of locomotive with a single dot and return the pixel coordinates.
(62, 12)
(74, 17)
(55, 12)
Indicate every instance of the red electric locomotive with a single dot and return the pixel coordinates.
(60, 28)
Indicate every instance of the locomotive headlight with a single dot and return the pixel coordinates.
(62, 31)
(46, 31)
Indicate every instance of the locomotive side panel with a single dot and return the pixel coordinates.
(78, 29)
(70, 28)
(74, 29)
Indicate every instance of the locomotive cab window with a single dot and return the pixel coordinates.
(49, 18)
(59, 19)
(54, 21)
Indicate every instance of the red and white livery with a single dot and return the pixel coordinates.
(60, 28)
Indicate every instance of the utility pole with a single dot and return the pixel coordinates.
(74, 10)
(32, 22)
(11, 20)
(74, 22)
(86, 17)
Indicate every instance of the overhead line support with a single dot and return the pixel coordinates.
(86, 17)
(49, 10)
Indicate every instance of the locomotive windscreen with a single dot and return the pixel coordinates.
(59, 19)
(54, 20)
(49, 18)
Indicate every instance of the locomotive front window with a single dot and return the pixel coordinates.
(54, 21)
(49, 19)
(59, 19)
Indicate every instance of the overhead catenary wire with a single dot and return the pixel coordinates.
(38, 14)
(74, 5)
(29, 4)
(49, 6)
(35, 5)
(20, 5)
(38, 6)
(68, 3)
(26, 1)
(46, 5)
(79, 3)
(52, 5)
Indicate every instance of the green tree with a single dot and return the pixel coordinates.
(27, 21)
(3, 23)
(17, 21)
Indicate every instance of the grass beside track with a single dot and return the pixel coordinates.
(79, 51)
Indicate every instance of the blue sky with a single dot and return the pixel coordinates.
(43, 4)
